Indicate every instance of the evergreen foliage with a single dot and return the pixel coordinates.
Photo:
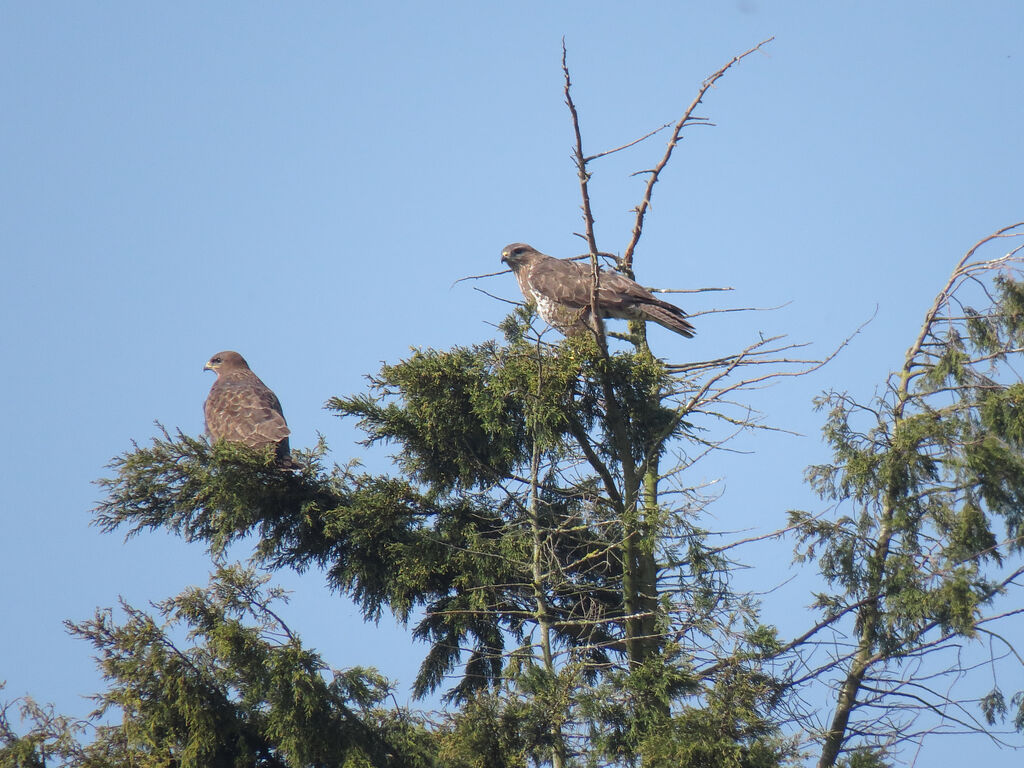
(511, 530)
(931, 476)
(216, 678)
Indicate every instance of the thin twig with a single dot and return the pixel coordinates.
(478, 277)
(580, 158)
(686, 119)
(499, 298)
(690, 290)
(630, 144)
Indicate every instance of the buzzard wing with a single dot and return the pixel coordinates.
(242, 409)
(562, 291)
(562, 282)
(569, 283)
(618, 296)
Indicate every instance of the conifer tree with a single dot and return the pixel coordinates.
(930, 478)
(216, 678)
(527, 528)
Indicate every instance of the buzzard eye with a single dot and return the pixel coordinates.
(215, 360)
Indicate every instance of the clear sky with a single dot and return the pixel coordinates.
(303, 183)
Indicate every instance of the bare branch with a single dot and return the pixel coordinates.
(630, 144)
(686, 119)
(579, 158)
(479, 277)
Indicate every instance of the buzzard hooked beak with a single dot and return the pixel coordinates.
(208, 367)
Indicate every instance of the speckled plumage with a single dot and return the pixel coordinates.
(561, 289)
(242, 409)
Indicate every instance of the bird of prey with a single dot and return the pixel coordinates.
(242, 409)
(561, 289)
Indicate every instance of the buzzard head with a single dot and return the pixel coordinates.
(225, 361)
(518, 254)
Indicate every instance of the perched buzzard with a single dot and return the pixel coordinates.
(561, 289)
(241, 409)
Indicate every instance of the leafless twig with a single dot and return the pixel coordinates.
(686, 119)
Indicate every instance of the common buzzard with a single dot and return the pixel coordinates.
(242, 409)
(561, 290)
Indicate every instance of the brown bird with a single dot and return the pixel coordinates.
(242, 409)
(561, 290)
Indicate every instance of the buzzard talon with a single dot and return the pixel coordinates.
(242, 409)
(561, 289)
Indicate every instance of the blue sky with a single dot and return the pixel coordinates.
(304, 182)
